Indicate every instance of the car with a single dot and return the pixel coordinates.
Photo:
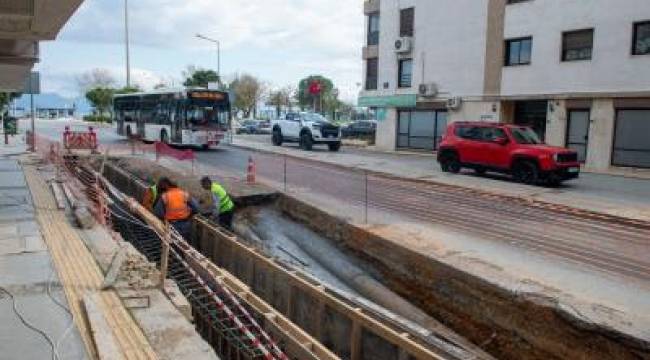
(247, 127)
(306, 129)
(509, 149)
(360, 128)
(264, 127)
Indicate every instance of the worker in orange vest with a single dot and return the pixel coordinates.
(175, 206)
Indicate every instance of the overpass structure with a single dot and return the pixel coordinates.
(23, 25)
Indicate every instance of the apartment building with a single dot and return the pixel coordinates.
(577, 71)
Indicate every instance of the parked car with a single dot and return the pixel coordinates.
(264, 127)
(510, 149)
(360, 128)
(306, 129)
(247, 127)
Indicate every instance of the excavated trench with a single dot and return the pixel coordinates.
(358, 266)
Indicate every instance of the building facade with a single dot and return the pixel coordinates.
(577, 71)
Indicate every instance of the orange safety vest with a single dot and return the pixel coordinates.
(176, 207)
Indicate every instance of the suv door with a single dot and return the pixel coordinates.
(470, 142)
(495, 154)
(291, 126)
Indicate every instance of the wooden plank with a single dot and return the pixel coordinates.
(58, 195)
(105, 342)
(80, 275)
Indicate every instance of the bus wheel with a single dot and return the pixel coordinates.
(164, 138)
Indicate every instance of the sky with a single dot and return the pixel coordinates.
(279, 41)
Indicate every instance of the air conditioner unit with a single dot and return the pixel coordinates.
(404, 45)
(454, 103)
(428, 90)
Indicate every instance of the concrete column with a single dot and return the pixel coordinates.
(601, 134)
(387, 130)
(556, 123)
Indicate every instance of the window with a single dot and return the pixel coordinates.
(518, 51)
(371, 74)
(577, 45)
(405, 73)
(641, 40)
(406, 22)
(373, 29)
(469, 132)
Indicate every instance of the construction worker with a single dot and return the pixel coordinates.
(150, 196)
(224, 207)
(175, 206)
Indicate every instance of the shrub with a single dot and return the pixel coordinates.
(98, 118)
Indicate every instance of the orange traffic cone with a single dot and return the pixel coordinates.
(250, 174)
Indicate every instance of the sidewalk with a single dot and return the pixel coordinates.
(27, 273)
(614, 195)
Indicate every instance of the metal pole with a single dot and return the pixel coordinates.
(285, 173)
(126, 40)
(31, 100)
(164, 260)
(365, 212)
(219, 60)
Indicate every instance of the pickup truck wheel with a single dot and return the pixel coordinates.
(526, 172)
(306, 143)
(277, 138)
(334, 146)
(450, 163)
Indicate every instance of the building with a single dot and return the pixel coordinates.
(23, 23)
(577, 71)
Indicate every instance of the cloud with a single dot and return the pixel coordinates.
(278, 40)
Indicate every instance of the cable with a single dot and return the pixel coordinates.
(62, 306)
(29, 325)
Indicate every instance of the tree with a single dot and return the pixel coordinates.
(248, 91)
(280, 98)
(199, 77)
(101, 99)
(308, 100)
(95, 78)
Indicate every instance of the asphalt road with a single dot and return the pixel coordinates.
(617, 189)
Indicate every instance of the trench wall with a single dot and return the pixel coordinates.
(506, 324)
(349, 332)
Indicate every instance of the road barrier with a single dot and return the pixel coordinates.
(80, 140)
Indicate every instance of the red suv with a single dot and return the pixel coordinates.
(510, 149)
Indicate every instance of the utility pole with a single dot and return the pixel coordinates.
(214, 41)
(126, 40)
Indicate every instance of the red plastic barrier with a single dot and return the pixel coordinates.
(163, 149)
(80, 140)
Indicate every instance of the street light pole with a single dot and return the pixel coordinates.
(214, 41)
(126, 40)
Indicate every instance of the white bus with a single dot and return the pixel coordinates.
(193, 116)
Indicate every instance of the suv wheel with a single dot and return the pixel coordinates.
(450, 163)
(334, 146)
(306, 143)
(277, 137)
(526, 172)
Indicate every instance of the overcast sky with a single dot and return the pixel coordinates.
(279, 41)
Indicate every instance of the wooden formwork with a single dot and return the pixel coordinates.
(349, 332)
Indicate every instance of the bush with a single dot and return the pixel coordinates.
(98, 118)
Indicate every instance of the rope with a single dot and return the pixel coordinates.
(27, 324)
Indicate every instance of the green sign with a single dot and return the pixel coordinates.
(402, 101)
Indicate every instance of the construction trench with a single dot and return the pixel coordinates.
(338, 291)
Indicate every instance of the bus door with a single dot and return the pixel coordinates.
(178, 122)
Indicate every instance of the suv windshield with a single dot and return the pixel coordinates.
(313, 117)
(525, 135)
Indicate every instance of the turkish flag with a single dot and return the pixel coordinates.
(315, 87)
